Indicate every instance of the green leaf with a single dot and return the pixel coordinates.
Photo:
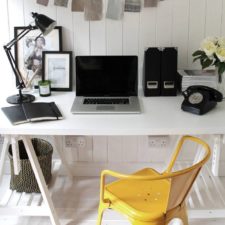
(206, 63)
(198, 52)
(221, 68)
(196, 58)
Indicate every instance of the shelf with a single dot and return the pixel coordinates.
(77, 198)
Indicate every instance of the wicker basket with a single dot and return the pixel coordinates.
(25, 181)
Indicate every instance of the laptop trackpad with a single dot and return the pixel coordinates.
(105, 107)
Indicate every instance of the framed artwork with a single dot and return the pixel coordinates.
(57, 67)
(28, 52)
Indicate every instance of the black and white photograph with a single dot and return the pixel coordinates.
(57, 68)
(28, 53)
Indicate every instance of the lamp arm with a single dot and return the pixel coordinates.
(20, 35)
(15, 68)
(10, 57)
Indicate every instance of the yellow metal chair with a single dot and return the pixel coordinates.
(148, 197)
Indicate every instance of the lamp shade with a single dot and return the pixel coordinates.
(44, 23)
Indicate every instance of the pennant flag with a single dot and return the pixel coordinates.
(43, 2)
(93, 9)
(115, 9)
(77, 5)
(133, 5)
(61, 3)
(150, 3)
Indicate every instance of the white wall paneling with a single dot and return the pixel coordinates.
(100, 149)
(130, 149)
(164, 24)
(213, 17)
(180, 23)
(223, 19)
(147, 35)
(115, 149)
(197, 19)
(65, 19)
(98, 35)
(180, 10)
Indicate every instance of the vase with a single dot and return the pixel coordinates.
(221, 84)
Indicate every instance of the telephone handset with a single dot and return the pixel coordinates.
(199, 99)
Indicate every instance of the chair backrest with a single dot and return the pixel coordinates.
(182, 180)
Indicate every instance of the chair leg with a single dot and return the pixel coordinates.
(181, 214)
(100, 214)
(184, 216)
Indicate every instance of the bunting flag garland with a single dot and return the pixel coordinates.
(77, 5)
(93, 9)
(151, 3)
(132, 5)
(115, 9)
(63, 3)
(43, 2)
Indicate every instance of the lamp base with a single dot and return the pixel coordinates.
(19, 99)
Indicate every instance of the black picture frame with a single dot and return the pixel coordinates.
(24, 58)
(57, 67)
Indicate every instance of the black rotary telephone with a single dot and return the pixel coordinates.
(200, 99)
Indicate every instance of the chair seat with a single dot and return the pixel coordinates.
(139, 199)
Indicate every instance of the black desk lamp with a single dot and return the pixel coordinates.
(46, 25)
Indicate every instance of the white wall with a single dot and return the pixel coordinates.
(180, 23)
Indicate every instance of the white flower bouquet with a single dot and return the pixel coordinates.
(212, 52)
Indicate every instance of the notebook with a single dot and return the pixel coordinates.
(31, 112)
(106, 84)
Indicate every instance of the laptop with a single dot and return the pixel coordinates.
(106, 84)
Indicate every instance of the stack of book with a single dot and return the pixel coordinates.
(198, 77)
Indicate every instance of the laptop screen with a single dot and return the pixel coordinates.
(106, 75)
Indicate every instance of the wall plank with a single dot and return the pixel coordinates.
(223, 19)
(114, 37)
(213, 18)
(164, 24)
(98, 35)
(64, 19)
(115, 149)
(130, 148)
(100, 153)
(180, 30)
(9, 80)
(131, 33)
(81, 35)
(16, 15)
(196, 29)
(143, 149)
(147, 35)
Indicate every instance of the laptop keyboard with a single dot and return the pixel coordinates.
(106, 101)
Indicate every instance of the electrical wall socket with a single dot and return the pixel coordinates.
(158, 141)
(78, 142)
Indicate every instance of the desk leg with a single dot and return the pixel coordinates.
(217, 146)
(40, 179)
(62, 157)
(5, 148)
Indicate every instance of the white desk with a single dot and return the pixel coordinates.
(160, 116)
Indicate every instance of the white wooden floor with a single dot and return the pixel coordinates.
(76, 202)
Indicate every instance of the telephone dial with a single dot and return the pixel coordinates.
(200, 99)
